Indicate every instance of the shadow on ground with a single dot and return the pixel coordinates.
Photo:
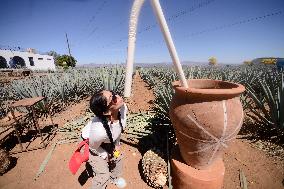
(86, 174)
(256, 131)
(27, 137)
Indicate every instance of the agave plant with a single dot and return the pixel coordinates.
(60, 89)
(112, 78)
(4, 96)
(270, 100)
(161, 123)
(138, 126)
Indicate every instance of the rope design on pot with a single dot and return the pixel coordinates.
(215, 142)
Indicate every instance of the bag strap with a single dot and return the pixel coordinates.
(83, 143)
(120, 123)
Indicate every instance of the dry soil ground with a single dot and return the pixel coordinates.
(261, 171)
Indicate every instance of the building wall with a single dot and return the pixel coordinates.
(41, 62)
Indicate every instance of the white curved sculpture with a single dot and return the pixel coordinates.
(136, 7)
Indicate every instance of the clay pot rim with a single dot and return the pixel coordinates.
(235, 89)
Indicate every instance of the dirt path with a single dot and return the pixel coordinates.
(262, 172)
(142, 97)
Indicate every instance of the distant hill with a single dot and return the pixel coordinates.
(158, 64)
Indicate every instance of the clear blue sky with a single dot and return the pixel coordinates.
(98, 29)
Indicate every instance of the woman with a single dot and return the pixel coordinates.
(104, 132)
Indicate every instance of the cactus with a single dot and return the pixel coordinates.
(269, 100)
(61, 89)
(138, 126)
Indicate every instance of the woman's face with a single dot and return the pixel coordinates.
(113, 105)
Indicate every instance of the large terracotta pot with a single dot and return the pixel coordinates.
(187, 177)
(206, 117)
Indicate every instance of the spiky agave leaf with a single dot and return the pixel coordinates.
(138, 126)
(269, 100)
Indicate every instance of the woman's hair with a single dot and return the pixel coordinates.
(98, 104)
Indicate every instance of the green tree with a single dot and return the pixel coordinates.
(247, 62)
(269, 61)
(3, 62)
(54, 54)
(66, 61)
(212, 61)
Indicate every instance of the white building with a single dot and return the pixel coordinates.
(29, 59)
